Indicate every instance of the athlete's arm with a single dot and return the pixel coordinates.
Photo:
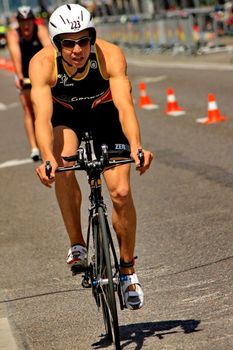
(43, 35)
(41, 69)
(15, 53)
(121, 93)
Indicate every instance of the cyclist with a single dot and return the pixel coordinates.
(23, 42)
(84, 86)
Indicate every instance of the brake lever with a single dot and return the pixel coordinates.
(104, 154)
(140, 155)
(48, 169)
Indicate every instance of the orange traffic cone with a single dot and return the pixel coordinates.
(172, 107)
(145, 101)
(213, 112)
(2, 62)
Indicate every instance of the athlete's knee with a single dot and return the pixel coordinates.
(27, 108)
(61, 161)
(120, 195)
(28, 114)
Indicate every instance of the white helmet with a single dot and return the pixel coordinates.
(70, 18)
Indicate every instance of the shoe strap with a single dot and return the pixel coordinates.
(78, 247)
(129, 281)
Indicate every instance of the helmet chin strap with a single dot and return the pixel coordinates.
(78, 70)
(70, 65)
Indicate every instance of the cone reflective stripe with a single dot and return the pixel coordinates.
(214, 115)
(172, 107)
(212, 106)
(171, 98)
(145, 101)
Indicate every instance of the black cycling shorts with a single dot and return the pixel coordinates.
(103, 123)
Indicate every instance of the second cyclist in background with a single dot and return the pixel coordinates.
(23, 42)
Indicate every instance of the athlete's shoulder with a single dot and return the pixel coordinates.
(42, 65)
(43, 59)
(111, 54)
(13, 33)
(43, 35)
(111, 57)
(108, 48)
(47, 53)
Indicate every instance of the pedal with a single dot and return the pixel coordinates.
(77, 269)
(85, 283)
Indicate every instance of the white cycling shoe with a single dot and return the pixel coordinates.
(134, 298)
(35, 154)
(77, 258)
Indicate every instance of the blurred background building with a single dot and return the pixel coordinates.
(149, 25)
(115, 7)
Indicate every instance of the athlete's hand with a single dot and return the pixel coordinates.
(41, 172)
(19, 82)
(148, 157)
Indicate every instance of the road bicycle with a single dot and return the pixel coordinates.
(102, 274)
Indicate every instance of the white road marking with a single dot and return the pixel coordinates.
(4, 107)
(7, 341)
(15, 162)
(152, 79)
(13, 105)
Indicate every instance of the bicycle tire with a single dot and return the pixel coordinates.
(98, 269)
(106, 291)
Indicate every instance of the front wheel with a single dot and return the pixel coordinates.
(105, 271)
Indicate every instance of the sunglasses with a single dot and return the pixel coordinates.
(25, 21)
(70, 43)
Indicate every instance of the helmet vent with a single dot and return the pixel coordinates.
(69, 7)
(53, 25)
(82, 16)
(62, 19)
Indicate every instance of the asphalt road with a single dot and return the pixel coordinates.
(184, 240)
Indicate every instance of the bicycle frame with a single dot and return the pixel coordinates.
(96, 201)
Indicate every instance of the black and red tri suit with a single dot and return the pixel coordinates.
(86, 104)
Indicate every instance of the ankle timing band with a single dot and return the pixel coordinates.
(127, 264)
